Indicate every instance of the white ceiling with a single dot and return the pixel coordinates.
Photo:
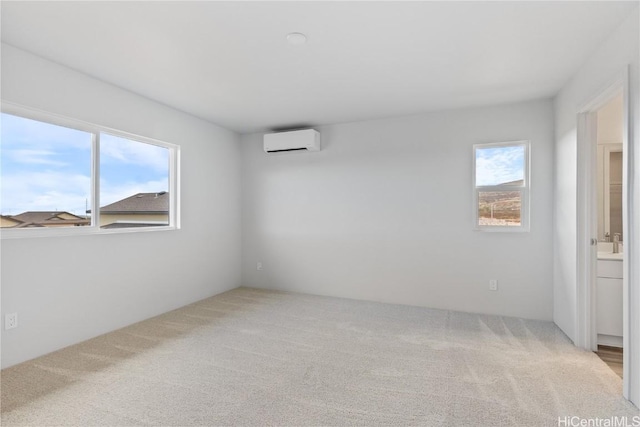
(229, 62)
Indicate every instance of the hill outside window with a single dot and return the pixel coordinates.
(501, 186)
(56, 172)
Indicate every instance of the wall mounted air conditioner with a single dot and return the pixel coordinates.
(307, 139)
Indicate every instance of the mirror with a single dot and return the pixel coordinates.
(609, 191)
(615, 193)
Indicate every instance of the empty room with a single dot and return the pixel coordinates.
(320, 213)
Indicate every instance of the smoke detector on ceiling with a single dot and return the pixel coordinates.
(296, 39)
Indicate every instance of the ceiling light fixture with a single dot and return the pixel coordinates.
(296, 39)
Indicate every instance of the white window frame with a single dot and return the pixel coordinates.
(96, 130)
(524, 189)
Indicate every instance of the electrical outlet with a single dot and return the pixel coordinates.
(493, 285)
(11, 321)
(259, 266)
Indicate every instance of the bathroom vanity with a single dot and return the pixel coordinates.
(609, 299)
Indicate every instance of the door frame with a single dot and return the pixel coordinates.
(587, 227)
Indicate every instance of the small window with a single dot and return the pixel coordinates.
(501, 186)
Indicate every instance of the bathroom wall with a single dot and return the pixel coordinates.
(609, 168)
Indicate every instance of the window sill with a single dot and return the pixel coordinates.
(8, 234)
(502, 229)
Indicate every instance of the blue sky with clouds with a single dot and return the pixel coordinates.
(499, 165)
(47, 167)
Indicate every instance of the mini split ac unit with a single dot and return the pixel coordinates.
(307, 139)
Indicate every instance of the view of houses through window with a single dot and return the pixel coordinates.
(134, 183)
(46, 178)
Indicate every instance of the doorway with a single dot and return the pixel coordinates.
(589, 241)
(610, 236)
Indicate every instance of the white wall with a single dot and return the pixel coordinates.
(610, 122)
(594, 76)
(68, 289)
(620, 51)
(384, 213)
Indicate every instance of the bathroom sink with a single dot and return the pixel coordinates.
(609, 255)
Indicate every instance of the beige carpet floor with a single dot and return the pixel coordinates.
(255, 357)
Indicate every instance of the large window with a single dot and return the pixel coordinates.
(75, 177)
(501, 186)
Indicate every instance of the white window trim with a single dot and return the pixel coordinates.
(525, 190)
(96, 130)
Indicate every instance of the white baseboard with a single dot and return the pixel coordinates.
(610, 340)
